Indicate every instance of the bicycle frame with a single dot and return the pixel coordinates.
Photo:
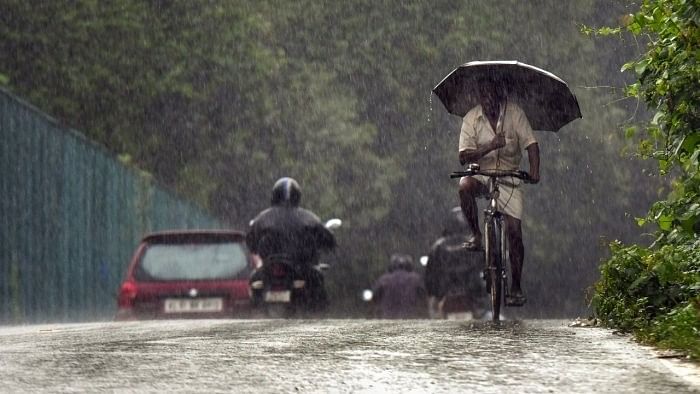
(496, 251)
(495, 240)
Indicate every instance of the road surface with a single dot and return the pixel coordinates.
(311, 356)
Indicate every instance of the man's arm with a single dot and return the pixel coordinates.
(533, 154)
(473, 155)
(251, 240)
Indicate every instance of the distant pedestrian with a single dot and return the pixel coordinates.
(400, 293)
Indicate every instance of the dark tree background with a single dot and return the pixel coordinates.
(218, 100)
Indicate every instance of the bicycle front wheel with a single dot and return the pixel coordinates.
(494, 265)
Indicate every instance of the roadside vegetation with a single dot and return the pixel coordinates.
(654, 291)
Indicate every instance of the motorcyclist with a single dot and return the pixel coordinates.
(451, 267)
(400, 292)
(285, 229)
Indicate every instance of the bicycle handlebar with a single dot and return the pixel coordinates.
(524, 176)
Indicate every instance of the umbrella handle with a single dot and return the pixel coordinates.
(501, 117)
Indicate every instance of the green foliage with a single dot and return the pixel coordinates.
(669, 81)
(679, 329)
(638, 283)
(655, 291)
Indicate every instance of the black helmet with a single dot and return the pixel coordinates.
(286, 191)
(399, 261)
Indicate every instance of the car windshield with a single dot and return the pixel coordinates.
(197, 261)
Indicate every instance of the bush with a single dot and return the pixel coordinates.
(654, 293)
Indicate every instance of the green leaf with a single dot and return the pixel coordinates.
(691, 142)
(639, 282)
(689, 224)
(641, 66)
(634, 27)
(606, 31)
(632, 90)
(665, 222)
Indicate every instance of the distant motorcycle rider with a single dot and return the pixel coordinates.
(400, 292)
(285, 229)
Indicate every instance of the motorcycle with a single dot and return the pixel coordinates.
(281, 289)
(464, 291)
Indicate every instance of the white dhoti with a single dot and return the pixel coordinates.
(510, 195)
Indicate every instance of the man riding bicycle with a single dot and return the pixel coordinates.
(494, 134)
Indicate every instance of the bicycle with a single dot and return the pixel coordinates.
(495, 241)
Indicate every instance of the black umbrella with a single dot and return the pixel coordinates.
(545, 98)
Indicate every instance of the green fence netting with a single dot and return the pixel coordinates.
(70, 218)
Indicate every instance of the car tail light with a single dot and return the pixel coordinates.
(127, 294)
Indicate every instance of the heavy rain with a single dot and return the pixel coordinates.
(144, 143)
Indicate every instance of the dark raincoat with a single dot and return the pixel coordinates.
(291, 231)
(400, 294)
(450, 264)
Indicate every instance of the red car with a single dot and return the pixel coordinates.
(187, 274)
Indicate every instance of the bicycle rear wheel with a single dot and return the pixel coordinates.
(494, 266)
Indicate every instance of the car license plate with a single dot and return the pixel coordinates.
(278, 296)
(186, 305)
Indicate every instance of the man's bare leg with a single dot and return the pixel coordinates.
(469, 188)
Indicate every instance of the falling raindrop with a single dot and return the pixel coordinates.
(430, 106)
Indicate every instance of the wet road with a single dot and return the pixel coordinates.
(330, 356)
